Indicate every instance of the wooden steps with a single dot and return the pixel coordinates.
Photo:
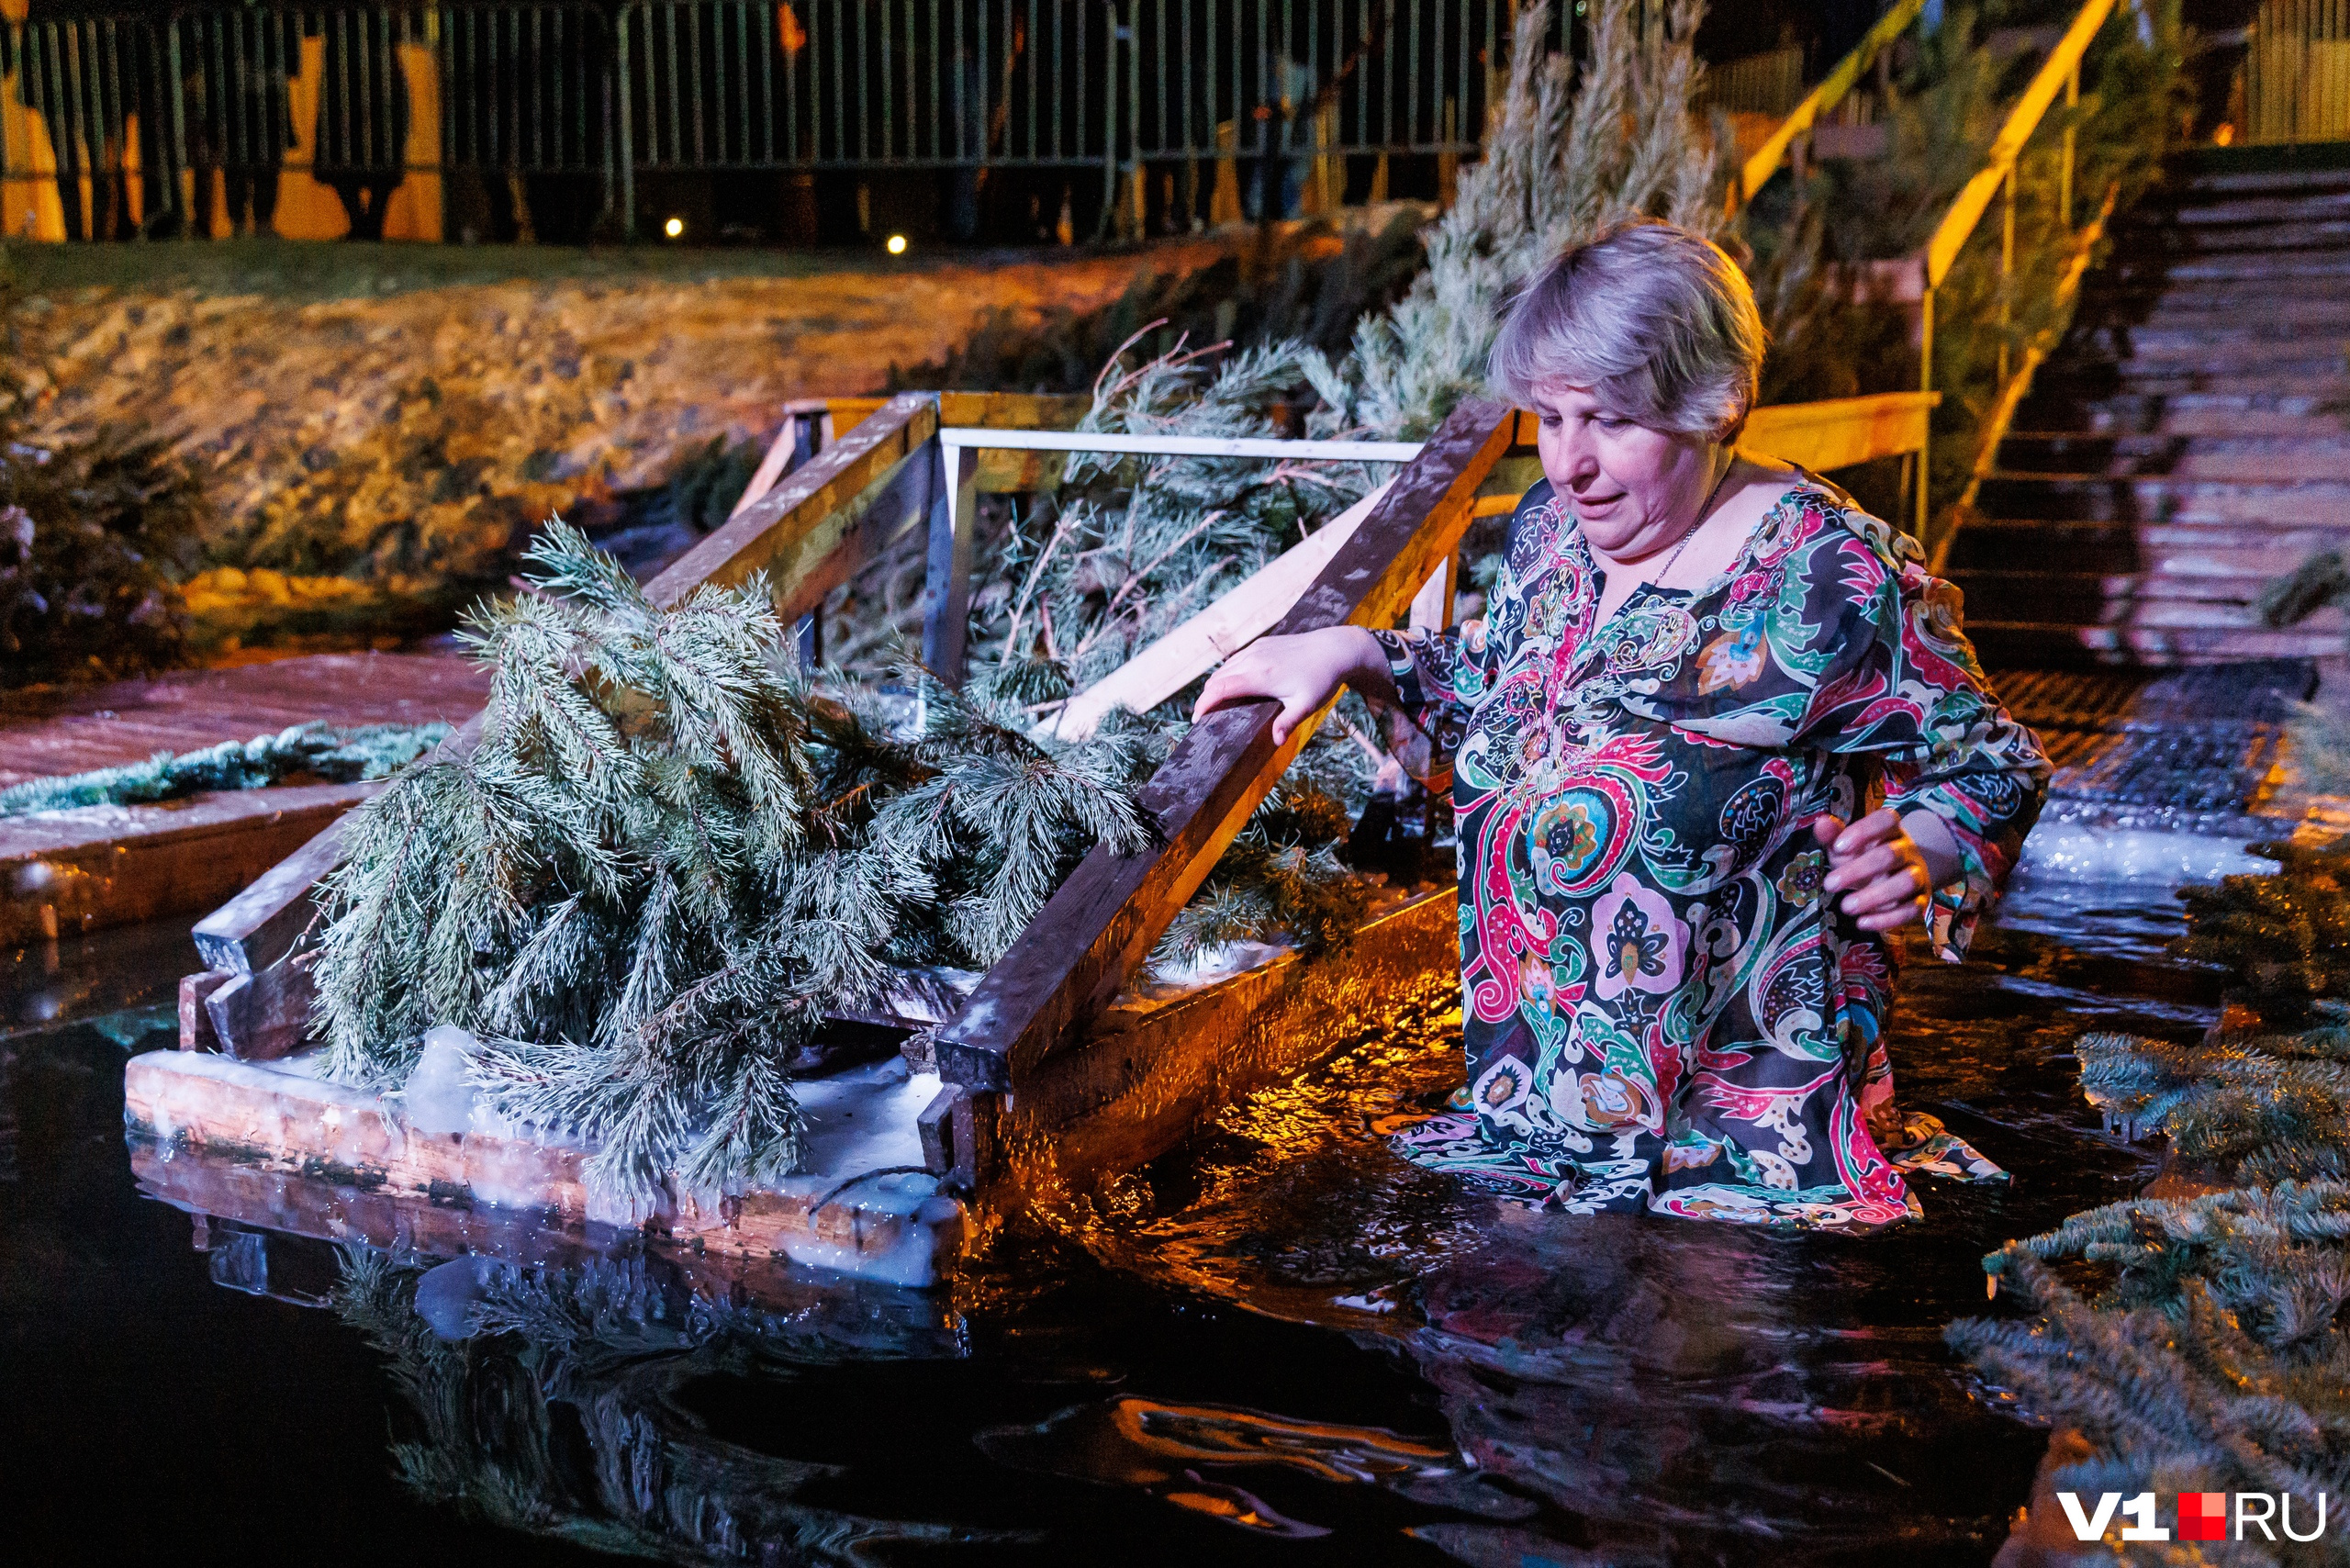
(2269, 456)
(2187, 445)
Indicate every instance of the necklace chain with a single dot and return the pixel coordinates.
(1695, 524)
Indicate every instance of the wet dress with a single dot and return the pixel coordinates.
(1662, 1008)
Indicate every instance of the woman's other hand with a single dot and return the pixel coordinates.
(1299, 672)
(1887, 877)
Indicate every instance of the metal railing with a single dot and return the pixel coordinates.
(2296, 73)
(130, 117)
(1767, 84)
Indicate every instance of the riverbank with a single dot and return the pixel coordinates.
(396, 417)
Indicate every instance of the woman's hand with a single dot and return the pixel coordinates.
(1300, 672)
(1891, 878)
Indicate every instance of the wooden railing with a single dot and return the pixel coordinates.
(1078, 954)
(1820, 102)
(2060, 73)
(843, 478)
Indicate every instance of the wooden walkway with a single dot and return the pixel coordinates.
(2193, 750)
(45, 734)
(65, 872)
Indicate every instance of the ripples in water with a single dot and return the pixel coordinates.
(1277, 1343)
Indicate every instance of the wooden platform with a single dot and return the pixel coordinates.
(44, 733)
(274, 1145)
(862, 1213)
(62, 872)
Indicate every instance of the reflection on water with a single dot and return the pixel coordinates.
(1659, 1391)
(1279, 1343)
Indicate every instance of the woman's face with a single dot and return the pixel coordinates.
(1634, 490)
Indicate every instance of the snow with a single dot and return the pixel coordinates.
(863, 1118)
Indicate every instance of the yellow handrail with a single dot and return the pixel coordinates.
(1759, 169)
(2061, 72)
(2061, 69)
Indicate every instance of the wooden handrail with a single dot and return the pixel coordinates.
(781, 532)
(1757, 169)
(2061, 72)
(1236, 617)
(2058, 70)
(2012, 394)
(1078, 951)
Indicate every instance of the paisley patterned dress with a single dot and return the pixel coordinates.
(1662, 1008)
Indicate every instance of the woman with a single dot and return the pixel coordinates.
(1717, 737)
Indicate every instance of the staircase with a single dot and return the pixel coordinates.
(2189, 443)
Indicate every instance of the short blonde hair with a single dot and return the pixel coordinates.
(1659, 323)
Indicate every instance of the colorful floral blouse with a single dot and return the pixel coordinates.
(1661, 1009)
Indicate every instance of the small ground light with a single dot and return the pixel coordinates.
(674, 227)
(897, 246)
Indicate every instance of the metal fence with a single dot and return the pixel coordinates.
(1768, 83)
(2296, 73)
(131, 118)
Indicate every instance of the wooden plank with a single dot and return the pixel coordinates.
(793, 445)
(1077, 954)
(832, 549)
(196, 1032)
(266, 1015)
(1151, 1070)
(1237, 616)
(47, 734)
(773, 534)
(1839, 432)
(84, 870)
(258, 926)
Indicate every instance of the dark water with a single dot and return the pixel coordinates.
(1277, 1345)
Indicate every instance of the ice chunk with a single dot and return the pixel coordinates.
(2135, 855)
(449, 1293)
(439, 1094)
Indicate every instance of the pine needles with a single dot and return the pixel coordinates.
(317, 750)
(2217, 1355)
(668, 856)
